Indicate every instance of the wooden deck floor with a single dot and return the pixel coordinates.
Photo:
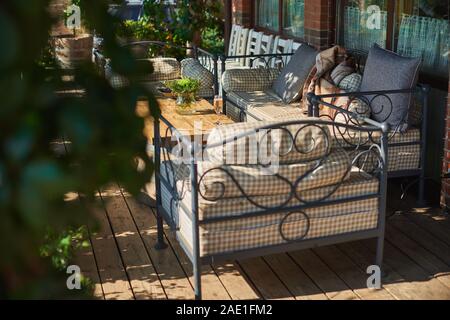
(124, 264)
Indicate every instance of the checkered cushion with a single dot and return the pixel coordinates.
(358, 107)
(235, 113)
(406, 157)
(245, 100)
(243, 233)
(351, 83)
(300, 142)
(415, 115)
(164, 69)
(227, 181)
(192, 68)
(275, 111)
(248, 80)
(117, 81)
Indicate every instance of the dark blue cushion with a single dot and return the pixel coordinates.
(289, 84)
(386, 70)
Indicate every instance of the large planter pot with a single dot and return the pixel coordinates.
(73, 50)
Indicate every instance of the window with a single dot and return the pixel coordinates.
(414, 28)
(267, 14)
(282, 17)
(423, 30)
(359, 31)
(294, 18)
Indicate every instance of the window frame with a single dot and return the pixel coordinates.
(436, 81)
(280, 32)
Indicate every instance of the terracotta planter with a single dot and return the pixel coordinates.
(71, 50)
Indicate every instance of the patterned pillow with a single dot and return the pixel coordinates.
(351, 83)
(116, 81)
(386, 70)
(192, 68)
(164, 69)
(358, 107)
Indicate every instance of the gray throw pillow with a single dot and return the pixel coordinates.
(289, 84)
(386, 70)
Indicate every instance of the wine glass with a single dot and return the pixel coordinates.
(218, 107)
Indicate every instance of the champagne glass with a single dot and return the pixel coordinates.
(218, 107)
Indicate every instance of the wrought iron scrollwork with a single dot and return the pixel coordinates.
(291, 139)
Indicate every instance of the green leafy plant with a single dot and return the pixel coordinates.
(212, 40)
(184, 86)
(60, 247)
(40, 226)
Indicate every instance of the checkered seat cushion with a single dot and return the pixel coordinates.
(244, 232)
(275, 111)
(228, 181)
(403, 149)
(321, 175)
(245, 143)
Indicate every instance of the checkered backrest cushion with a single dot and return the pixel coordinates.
(192, 68)
(164, 69)
(258, 143)
(248, 80)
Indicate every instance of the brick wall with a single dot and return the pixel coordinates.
(242, 11)
(56, 9)
(445, 199)
(319, 20)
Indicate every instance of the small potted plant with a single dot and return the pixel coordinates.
(76, 48)
(185, 90)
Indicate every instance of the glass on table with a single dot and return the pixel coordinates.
(218, 108)
(218, 105)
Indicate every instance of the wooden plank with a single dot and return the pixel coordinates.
(263, 278)
(437, 225)
(428, 288)
(424, 238)
(212, 288)
(85, 257)
(112, 272)
(234, 281)
(293, 277)
(141, 272)
(323, 276)
(350, 273)
(175, 282)
(86, 260)
(421, 256)
(393, 282)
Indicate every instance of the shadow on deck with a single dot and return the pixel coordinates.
(124, 264)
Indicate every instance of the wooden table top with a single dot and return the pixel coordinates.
(202, 122)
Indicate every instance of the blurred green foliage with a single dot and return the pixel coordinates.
(36, 109)
(213, 41)
(60, 246)
(198, 21)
